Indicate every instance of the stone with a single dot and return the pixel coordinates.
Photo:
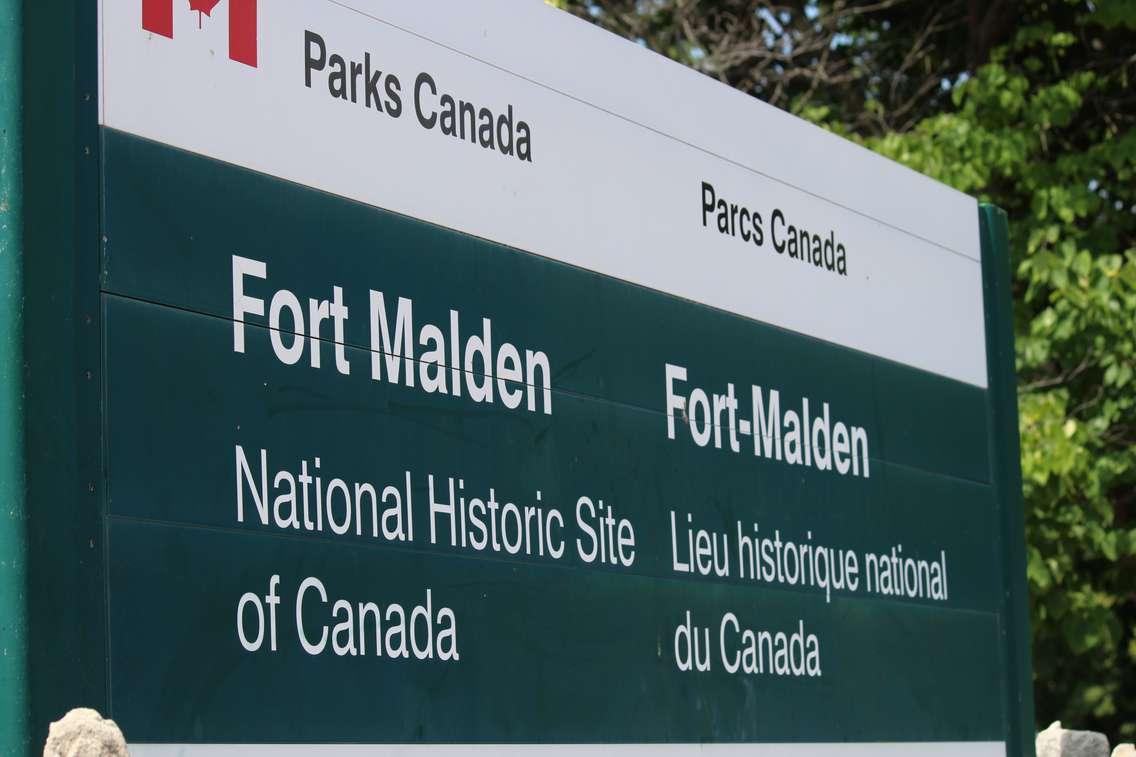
(1056, 741)
(84, 733)
(1124, 750)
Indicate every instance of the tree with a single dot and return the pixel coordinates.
(1030, 105)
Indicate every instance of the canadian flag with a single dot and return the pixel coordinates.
(158, 17)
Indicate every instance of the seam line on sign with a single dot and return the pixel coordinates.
(731, 748)
(680, 140)
(402, 549)
(378, 748)
(555, 389)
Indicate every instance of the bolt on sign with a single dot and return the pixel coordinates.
(476, 382)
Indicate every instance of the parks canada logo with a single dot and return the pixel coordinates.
(158, 17)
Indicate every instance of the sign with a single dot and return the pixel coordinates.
(477, 382)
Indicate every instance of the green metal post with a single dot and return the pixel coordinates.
(1007, 477)
(13, 620)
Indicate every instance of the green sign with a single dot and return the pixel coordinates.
(430, 396)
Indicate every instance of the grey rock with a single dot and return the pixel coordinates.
(84, 733)
(1056, 741)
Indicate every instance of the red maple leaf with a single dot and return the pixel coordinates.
(203, 6)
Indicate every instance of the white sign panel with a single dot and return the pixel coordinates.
(512, 121)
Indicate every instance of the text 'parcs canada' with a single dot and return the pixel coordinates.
(786, 236)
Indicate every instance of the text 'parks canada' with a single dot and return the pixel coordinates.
(363, 82)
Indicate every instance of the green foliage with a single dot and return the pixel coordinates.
(1031, 106)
